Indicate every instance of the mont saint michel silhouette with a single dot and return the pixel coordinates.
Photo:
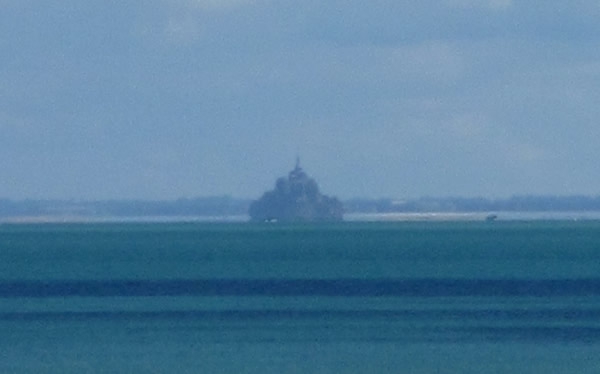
(296, 199)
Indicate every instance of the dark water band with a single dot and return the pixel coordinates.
(303, 287)
(540, 315)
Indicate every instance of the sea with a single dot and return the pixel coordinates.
(517, 296)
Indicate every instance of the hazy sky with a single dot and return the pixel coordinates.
(160, 99)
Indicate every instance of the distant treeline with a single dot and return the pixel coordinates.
(225, 206)
(206, 206)
(459, 204)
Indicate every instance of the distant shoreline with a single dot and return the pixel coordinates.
(350, 217)
(118, 219)
(473, 216)
(227, 208)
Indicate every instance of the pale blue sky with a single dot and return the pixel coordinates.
(160, 99)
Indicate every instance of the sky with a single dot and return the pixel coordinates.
(163, 99)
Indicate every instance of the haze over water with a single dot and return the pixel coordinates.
(181, 98)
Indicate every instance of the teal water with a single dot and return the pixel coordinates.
(425, 297)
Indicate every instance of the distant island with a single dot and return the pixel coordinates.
(296, 199)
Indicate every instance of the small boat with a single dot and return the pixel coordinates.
(491, 218)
